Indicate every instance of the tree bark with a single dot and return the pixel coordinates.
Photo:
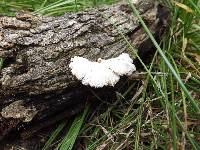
(36, 82)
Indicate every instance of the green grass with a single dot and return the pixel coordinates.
(165, 113)
(69, 140)
(49, 7)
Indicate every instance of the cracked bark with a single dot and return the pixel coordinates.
(37, 49)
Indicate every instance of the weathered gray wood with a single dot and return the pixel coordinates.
(37, 50)
(41, 47)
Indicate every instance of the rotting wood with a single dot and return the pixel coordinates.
(36, 51)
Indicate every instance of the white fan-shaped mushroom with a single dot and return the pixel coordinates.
(103, 72)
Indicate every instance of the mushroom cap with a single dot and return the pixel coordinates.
(101, 73)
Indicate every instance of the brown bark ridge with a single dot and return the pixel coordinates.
(35, 80)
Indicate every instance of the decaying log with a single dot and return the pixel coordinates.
(35, 80)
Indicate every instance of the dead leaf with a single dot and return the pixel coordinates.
(183, 6)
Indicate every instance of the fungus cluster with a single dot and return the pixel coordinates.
(103, 72)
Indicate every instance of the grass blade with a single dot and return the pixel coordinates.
(70, 138)
(53, 136)
(196, 107)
